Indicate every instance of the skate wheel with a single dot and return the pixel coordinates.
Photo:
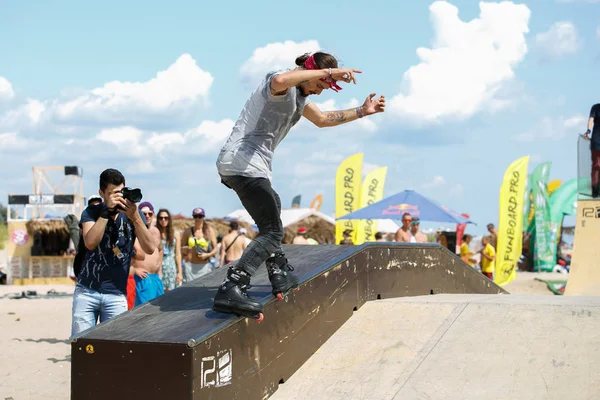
(296, 289)
(279, 296)
(260, 318)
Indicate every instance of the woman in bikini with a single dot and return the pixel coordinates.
(198, 245)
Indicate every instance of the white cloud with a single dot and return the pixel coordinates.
(560, 40)
(327, 105)
(208, 137)
(440, 185)
(275, 56)
(575, 122)
(456, 190)
(126, 139)
(142, 167)
(535, 158)
(467, 64)
(12, 141)
(6, 89)
(368, 168)
(162, 140)
(326, 155)
(304, 169)
(435, 182)
(173, 94)
(550, 128)
(27, 115)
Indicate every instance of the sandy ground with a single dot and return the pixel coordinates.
(34, 337)
(525, 283)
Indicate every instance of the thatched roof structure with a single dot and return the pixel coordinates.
(47, 226)
(220, 225)
(316, 227)
(52, 236)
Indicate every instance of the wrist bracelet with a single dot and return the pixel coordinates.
(359, 112)
(330, 77)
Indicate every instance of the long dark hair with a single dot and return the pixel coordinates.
(323, 60)
(168, 230)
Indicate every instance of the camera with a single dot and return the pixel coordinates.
(133, 195)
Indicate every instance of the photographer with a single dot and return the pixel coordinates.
(109, 232)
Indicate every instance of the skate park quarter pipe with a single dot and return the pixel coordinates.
(180, 349)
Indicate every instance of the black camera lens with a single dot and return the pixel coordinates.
(133, 195)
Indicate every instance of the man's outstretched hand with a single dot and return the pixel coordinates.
(373, 106)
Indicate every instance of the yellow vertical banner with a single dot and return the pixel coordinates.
(347, 194)
(371, 192)
(510, 224)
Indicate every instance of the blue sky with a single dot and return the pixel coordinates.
(152, 88)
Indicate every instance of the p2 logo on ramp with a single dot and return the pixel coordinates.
(216, 370)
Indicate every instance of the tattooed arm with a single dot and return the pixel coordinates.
(333, 118)
(330, 118)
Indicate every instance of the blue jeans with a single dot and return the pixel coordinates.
(89, 304)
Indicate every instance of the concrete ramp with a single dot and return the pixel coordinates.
(458, 346)
(584, 276)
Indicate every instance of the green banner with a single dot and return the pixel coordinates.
(528, 209)
(543, 259)
(562, 202)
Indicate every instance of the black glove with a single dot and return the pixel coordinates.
(107, 213)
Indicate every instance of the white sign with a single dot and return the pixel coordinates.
(216, 370)
(41, 199)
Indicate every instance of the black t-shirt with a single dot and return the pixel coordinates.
(595, 113)
(106, 269)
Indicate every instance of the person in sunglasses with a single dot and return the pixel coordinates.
(198, 245)
(415, 232)
(172, 274)
(147, 267)
(244, 165)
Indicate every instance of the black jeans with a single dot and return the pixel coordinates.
(264, 206)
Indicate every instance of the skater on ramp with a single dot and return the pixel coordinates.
(244, 164)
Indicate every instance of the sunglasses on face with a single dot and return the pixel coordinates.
(163, 217)
(148, 214)
(198, 216)
(416, 223)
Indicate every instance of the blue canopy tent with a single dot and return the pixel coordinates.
(411, 202)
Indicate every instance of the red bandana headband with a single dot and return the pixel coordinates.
(310, 63)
